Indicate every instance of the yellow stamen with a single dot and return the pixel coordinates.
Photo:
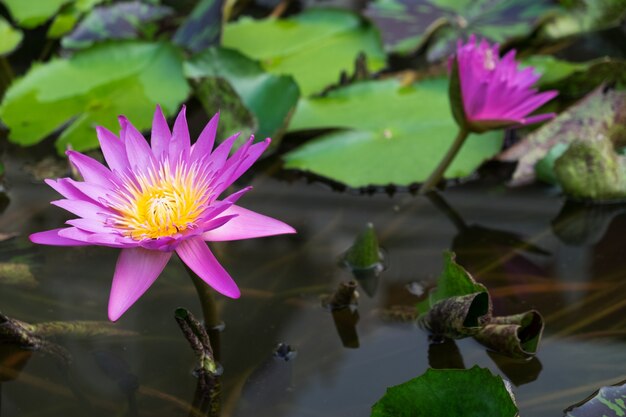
(161, 203)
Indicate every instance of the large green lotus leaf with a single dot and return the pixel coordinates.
(314, 47)
(395, 134)
(474, 392)
(10, 38)
(32, 13)
(94, 87)
(272, 98)
(406, 24)
(585, 16)
(606, 402)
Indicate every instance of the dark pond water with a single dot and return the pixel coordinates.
(571, 269)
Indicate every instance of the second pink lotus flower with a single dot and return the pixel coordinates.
(154, 200)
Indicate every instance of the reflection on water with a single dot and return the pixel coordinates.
(509, 240)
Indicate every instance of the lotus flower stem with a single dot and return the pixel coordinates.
(438, 173)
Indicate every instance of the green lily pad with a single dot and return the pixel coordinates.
(116, 21)
(474, 392)
(69, 16)
(394, 134)
(331, 39)
(271, 98)
(10, 38)
(602, 112)
(93, 88)
(30, 14)
(407, 24)
(606, 402)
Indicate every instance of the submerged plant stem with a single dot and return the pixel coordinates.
(6, 70)
(438, 173)
(207, 302)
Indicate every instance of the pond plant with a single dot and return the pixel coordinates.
(463, 257)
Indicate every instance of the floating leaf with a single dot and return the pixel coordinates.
(10, 38)
(458, 306)
(602, 112)
(591, 169)
(606, 402)
(13, 273)
(69, 16)
(396, 134)
(474, 392)
(255, 87)
(587, 15)
(202, 28)
(116, 21)
(516, 336)
(407, 24)
(332, 39)
(217, 94)
(93, 88)
(30, 14)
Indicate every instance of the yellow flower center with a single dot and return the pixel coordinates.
(161, 203)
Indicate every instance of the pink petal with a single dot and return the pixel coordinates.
(90, 169)
(89, 225)
(180, 142)
(248, 224)
(51, 237)
(82, 208)
(136, 270)
(112, 149)
(249, 158)
(206, 140)
(219, 155)
(111, 240)
(137, 149)
(160, 136)
(64, 187)
(196, 254)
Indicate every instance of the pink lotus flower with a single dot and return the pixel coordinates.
(494, 92)
(152, 201)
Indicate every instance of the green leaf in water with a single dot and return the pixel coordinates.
(14, 273)
(601, 113)
(544, 169)
(407, 24)
(591, 169)
(93, 88)
(474, 392)
(365, 252)
(30, 14)
(332, 39)
(586, 16)
(394, 134)
(10, 38)
(217, 94)
(271, 98)
(606, 402)
(458, 307)
(203, 27)
(116, 21)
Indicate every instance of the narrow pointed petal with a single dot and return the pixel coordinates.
(219, 155)
(52, 238)
(99, 239)
(137, 149)
(112, 149)
(180, 142)
(90, 169)
(196, 254)
(252, 155)
(160, 136)
(136, 270)
(89, 225)
(206, 140)
(82, 208)
(248, 224)
(64, 187)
